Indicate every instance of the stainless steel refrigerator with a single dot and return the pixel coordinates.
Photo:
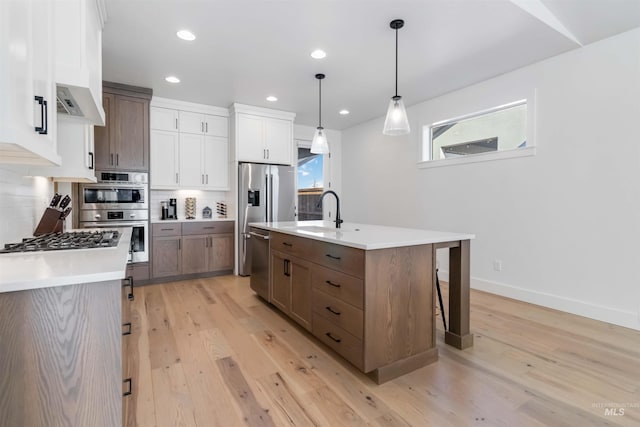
(266, 193)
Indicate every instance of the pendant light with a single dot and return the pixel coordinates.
(319, 145)
(396, 122)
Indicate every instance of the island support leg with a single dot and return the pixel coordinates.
(459, 334)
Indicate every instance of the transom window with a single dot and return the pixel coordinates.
(498, 129)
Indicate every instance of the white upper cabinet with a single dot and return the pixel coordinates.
(76, 148)
(28, 101)
(262, 135)
(78, 61)
(205, 124)
(164, 119)
(189, 149)
(164, 158)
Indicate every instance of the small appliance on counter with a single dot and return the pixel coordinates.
(206, 212)
(52, 220)
(190, 208)
(172, 212)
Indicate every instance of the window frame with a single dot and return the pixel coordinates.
(528, 150)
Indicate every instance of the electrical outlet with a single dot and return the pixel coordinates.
(497, 265)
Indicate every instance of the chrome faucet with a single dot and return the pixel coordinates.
(338, 221)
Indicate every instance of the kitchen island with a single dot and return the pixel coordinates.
(367, 291)
(61, 318)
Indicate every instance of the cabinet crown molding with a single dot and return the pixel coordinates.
(259, 111)
(175, 104)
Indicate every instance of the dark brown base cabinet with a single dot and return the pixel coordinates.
(183, 249)
(374, 308)
(61, 355)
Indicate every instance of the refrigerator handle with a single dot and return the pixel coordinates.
(271, 198)
(267, 199)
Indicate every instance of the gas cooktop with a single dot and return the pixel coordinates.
(68, 240)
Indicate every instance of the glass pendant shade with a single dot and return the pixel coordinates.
(396, 122)
(319, 145)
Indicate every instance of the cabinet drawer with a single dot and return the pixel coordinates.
(338, 312)
(342, 286)
(207, 227)
(292, 245)
(343, 258)
(162, 230)
(338, 339)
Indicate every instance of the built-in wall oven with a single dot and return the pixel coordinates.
(118, 199)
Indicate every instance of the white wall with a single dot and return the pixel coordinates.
(22, 203)
(565, 222)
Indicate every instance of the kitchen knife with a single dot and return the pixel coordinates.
(65, 214)
(55, 200)
(65, 202)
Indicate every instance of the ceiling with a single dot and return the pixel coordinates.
(246, 50)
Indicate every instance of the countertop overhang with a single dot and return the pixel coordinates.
(362, 236)
(34, 270)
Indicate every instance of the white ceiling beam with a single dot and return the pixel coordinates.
(537, 9)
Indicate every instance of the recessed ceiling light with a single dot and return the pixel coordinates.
(186, 35)
(172, 79)
(318, 54)
(271, 98)
(344, 112)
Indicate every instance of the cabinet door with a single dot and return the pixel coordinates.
(166, 256)
(215, 160)
(191, 122)
(216, 125)
(131, 133)
(191, 160)
(164, 151)
(300, 308)
(278, 136)
(164, 119)
(221, 252)
(194, 254)
(104, 134)
(280, 281)
(251, 138)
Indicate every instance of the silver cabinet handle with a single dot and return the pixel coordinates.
(111, 161)
(268, 153)
(177, 178)
(176, 123)
(207, 176)
(203, 178)
(206, 127)
(258, 235)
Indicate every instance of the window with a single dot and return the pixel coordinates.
(310, 184)
(478, 136)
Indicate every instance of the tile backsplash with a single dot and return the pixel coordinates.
(22, 202)
(203, 199)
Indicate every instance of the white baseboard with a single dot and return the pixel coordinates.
(628, 319)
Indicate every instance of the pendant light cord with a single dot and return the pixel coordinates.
(396, 62)
(320, 102)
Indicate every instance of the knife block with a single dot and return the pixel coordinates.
(49, 223)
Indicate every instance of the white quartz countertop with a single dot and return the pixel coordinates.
(34, 270)
(169, 221)
(362, 236)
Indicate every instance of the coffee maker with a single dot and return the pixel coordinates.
(172, 209)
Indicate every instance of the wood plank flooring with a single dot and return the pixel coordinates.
(208, 352)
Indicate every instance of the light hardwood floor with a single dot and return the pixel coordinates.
(208, 352)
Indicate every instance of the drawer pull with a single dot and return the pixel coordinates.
(129, 282)
(332, 257)
(128, 326)
(337, 313)
(209, 228)
(332, 337)
(329, 282)
(287, 244)
(166, 229)
(130, 382)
